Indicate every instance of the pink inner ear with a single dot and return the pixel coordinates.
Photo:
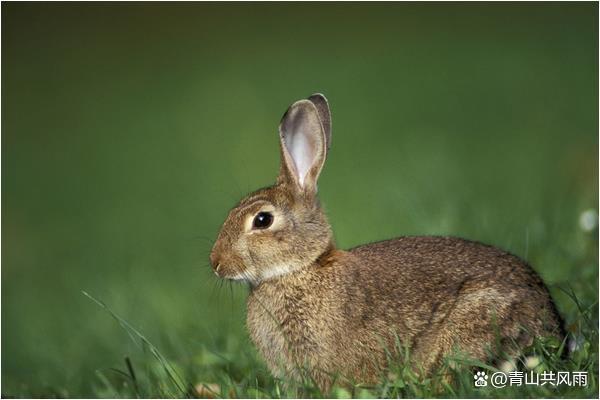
(302, 152)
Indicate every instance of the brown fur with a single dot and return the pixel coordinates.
(338, 312)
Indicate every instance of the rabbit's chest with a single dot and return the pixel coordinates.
(286, 327)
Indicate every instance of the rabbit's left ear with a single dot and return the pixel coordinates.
(303, 146)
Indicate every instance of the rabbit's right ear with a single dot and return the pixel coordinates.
(324, 114)
(303, 146)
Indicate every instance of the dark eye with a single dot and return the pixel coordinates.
(263, 220)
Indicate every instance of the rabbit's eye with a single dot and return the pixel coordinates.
(263, 220)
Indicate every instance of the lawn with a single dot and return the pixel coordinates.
(129, 131)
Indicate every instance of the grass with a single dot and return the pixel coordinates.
(161, 378)
(129, 131)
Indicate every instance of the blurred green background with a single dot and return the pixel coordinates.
(128, 131)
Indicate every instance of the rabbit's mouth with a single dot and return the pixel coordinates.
(233, 274)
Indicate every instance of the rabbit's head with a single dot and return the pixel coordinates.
(281, 228)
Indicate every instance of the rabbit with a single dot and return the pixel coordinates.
(341, 313)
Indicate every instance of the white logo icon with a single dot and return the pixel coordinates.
(480, 379)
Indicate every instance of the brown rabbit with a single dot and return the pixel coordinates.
(342, 312)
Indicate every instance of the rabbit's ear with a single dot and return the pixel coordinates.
(324, 114)
(303, 146)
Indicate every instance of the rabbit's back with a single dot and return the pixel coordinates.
(442, 262)
(433, 271)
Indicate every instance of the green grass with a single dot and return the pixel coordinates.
(162, 378)
(129, 131)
